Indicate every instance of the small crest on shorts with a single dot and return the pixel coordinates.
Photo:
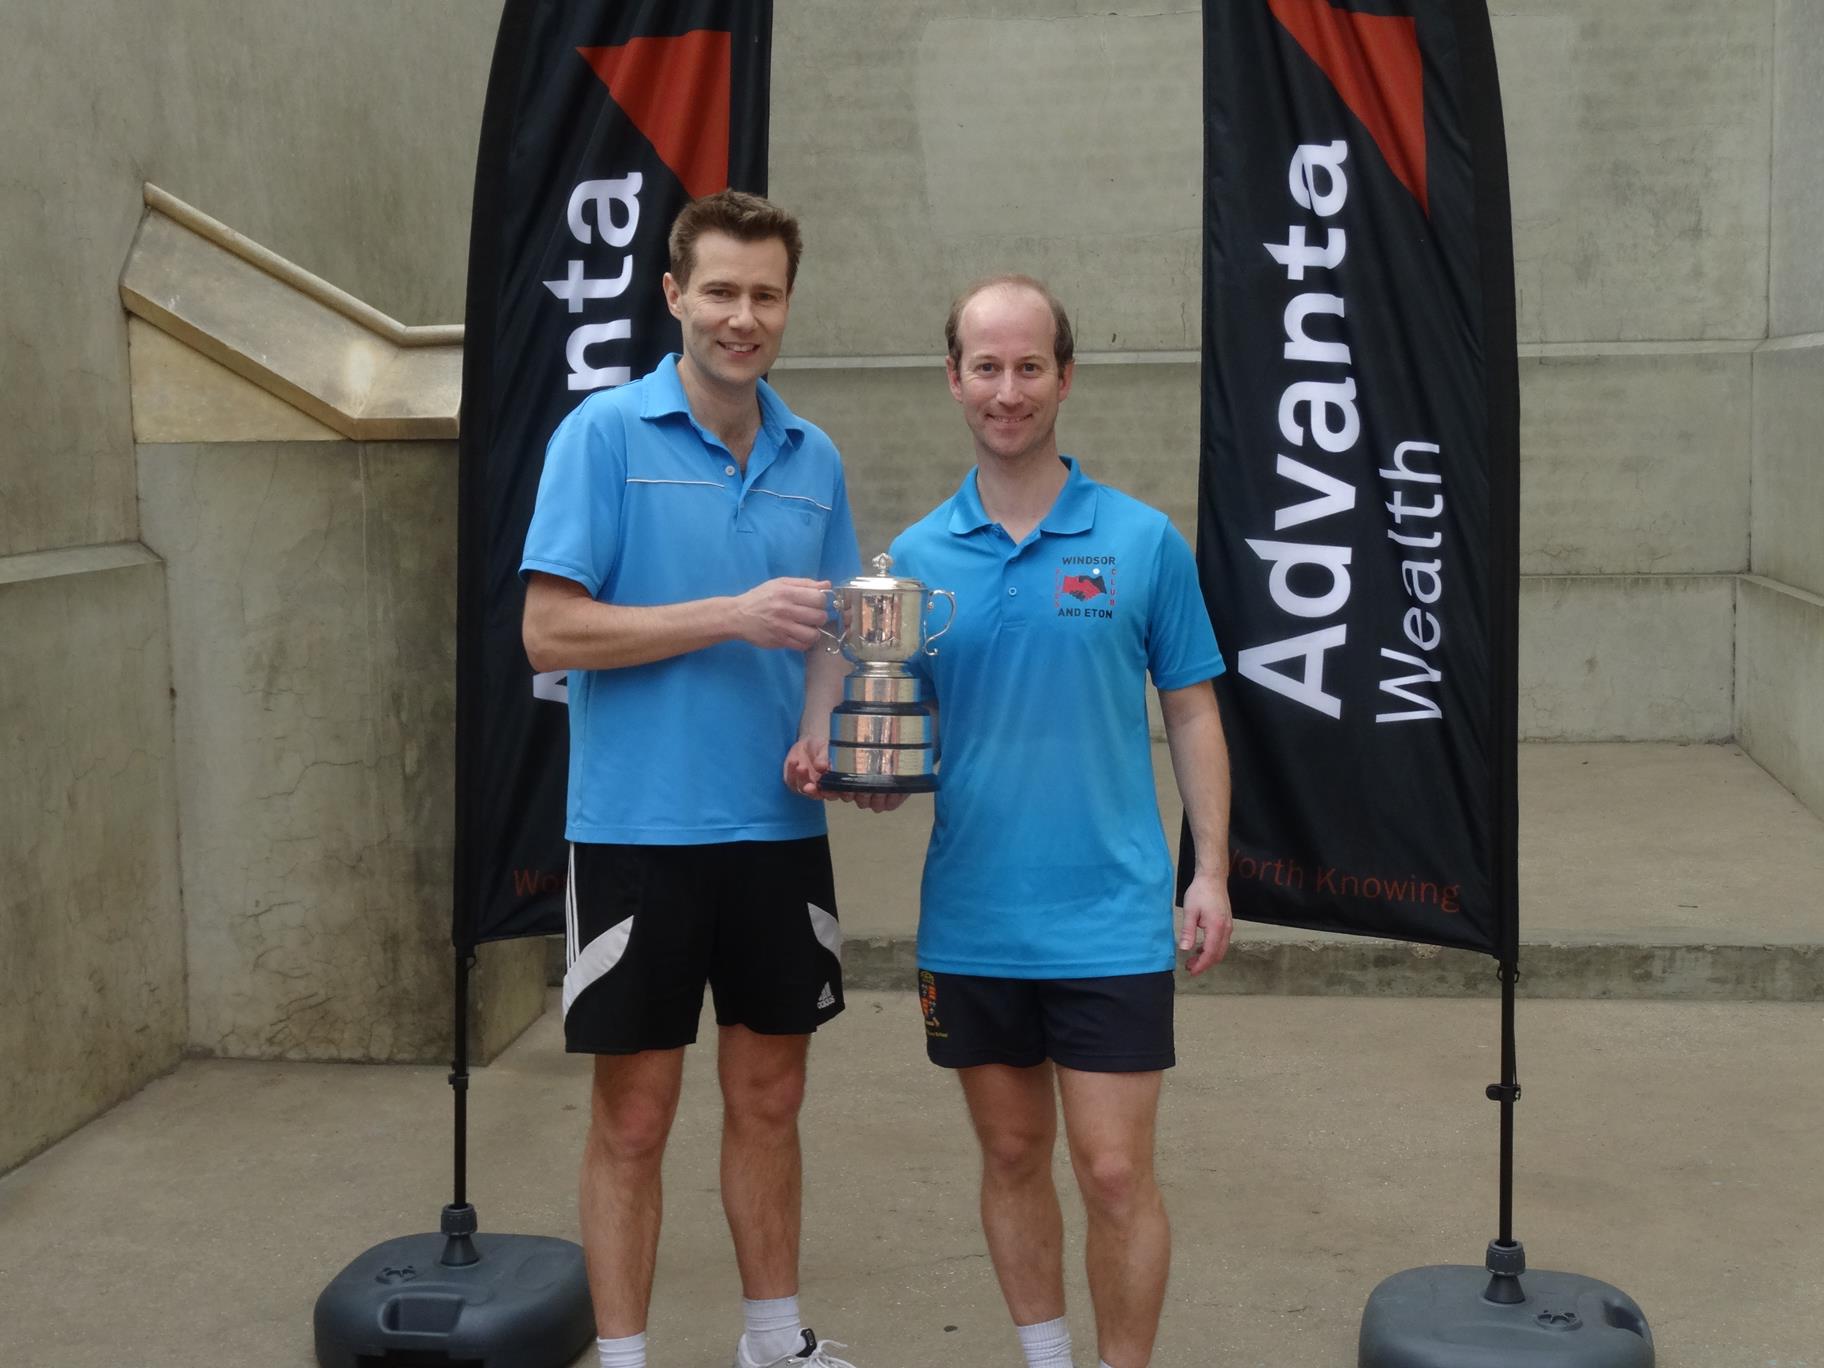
(927, 1004)
(826, 998)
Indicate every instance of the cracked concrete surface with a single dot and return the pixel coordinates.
(311, 601)
(91, 935)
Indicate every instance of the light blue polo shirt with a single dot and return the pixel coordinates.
(642, 505)
(1048, 859)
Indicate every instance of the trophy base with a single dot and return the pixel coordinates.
(833, 782)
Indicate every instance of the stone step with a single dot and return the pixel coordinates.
(1646, 872)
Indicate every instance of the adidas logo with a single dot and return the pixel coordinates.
(826, 998)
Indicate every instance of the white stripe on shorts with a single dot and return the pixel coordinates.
(827, 929)
(570, 946)
(597, 958)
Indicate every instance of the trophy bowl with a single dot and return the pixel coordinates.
(883, 735)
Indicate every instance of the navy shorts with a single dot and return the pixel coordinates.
(647, 926)
(1118, 1024)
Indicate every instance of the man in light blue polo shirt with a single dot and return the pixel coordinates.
(686, 527)
(1045, 942)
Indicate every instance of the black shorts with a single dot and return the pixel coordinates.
(646, 926)
(1119, 1024)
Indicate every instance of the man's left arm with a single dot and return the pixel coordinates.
(824, 671)
(1200, 761)
(809, 756)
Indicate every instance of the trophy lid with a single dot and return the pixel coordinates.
(881, 579)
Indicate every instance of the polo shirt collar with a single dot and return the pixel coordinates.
(664, 395)
(1074, 510)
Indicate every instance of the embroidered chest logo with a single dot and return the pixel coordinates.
(1085, 588)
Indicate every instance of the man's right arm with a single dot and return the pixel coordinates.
(565, 628)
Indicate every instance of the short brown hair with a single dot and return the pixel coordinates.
(744, 217)
(1063, 342)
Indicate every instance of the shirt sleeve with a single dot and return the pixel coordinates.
(841, 559)
(575, 528)
(1181, 647)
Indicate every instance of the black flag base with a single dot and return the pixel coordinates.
(457, 1299)
(1459, 1316)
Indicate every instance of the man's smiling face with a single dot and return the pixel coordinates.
(1007, 378)
(733, 308)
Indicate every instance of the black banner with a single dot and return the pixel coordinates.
(602, 119)
(1359, 493)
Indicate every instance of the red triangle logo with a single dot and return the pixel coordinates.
(676, 92)
(1373, 61)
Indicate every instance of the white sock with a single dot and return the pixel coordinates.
(773, 1328)
(1047, 1344)
(622, 1353)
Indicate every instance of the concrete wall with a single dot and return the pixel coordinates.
(1796, 279)
(1639, 140)
(1064, 136)
(91, 932)
(1666, 175)
(1634, 508)
(1638, 150)
(1051, 133)
(339, 134)
(1780, 649)
(342, 135)
(313, 630)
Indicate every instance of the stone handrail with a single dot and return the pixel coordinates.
(341, 361)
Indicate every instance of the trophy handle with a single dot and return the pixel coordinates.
(949, 622)
(833, 644)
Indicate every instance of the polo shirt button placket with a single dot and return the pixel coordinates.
(1014, 617)
(733, 472)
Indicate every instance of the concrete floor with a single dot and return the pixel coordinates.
(1309, 1147)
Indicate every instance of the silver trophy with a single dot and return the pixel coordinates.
(883, 735)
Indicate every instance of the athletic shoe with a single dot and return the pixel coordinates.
(812, 1354)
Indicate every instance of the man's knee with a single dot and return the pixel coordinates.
(1116, 1182)
(1015, 1153)
(628, 1126)
(768, 1100)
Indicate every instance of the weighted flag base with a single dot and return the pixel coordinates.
(1443, 1317)
(519, 1301)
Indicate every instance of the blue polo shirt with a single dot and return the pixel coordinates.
(640, 504)
(1047, 858)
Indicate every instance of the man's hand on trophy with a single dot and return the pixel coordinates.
(783, 613)
(805, 764)
(877, 802)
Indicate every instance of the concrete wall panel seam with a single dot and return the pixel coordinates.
(75, 560)
(1773, 158)
(1781, 587)
(1791, 342)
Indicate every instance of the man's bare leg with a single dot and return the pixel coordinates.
(1015, 1116)
(632, 1102)
(762, 1169)
(1110, 1120)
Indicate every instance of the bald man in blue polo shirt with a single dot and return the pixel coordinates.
(686, 527)
(1045, 941)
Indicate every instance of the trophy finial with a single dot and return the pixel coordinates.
(882, 564)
